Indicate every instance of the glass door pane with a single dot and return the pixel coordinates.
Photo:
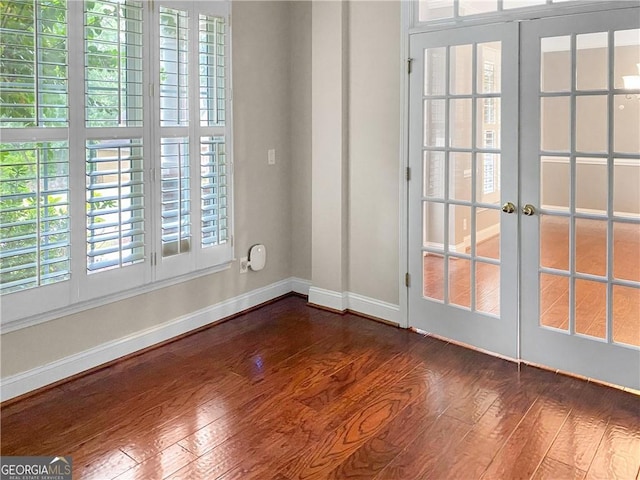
(458, 218)
(576, 190)
(581, 171)
(462, 126)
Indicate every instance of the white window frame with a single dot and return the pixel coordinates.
(197, 257)
(82, 291)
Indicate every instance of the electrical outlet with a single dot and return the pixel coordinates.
(244, 265)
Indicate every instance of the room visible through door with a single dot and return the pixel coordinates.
(524, 203)
(580, 169)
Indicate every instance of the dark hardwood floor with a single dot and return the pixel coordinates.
(291, 392)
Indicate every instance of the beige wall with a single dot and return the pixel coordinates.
(262, 109)
(272, 63)
(374, 148)
(329, 147)
(300, 91)
(592, 186)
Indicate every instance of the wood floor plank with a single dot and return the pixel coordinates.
(220, 460)
(223, 442)
(425, 450)
(618, 455)
(580, 436)
(528, 445)
(333, 386)
(153, 438)
(362, 426)
(470, 457)
(551, 469)
(248, 417)
(376, 453)
(101, 464)
(116, 411)
(364, 392)
(288, 392)
(162, 465)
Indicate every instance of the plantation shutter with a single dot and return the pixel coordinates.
(114, 151)
(34, 215)
(192, 111)
(139, 156)
(213, 106)
(34, 175)
(175, 168)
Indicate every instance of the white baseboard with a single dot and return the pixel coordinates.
(24, 382)
(356, 303)
(21, 383)
(328, 298)
(374, 308)
(300, 285)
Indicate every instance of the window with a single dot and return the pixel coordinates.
(115, 203)
(193, 131)
(488, 76)
(489, 167)
(35, 216)
(34, 175)
(150, 197)
(439, 10)
(489, 110)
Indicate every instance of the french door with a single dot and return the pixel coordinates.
(580, 164)
(463, 159)
(524, 211)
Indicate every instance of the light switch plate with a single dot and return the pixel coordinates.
(271, 156)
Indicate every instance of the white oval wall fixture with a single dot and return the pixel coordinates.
(257, 257)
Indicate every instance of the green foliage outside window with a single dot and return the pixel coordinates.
(34, 212)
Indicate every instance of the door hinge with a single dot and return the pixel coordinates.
(409, 61)
(154, 259)
(151, 90)
(407, 279)
(408, 173)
